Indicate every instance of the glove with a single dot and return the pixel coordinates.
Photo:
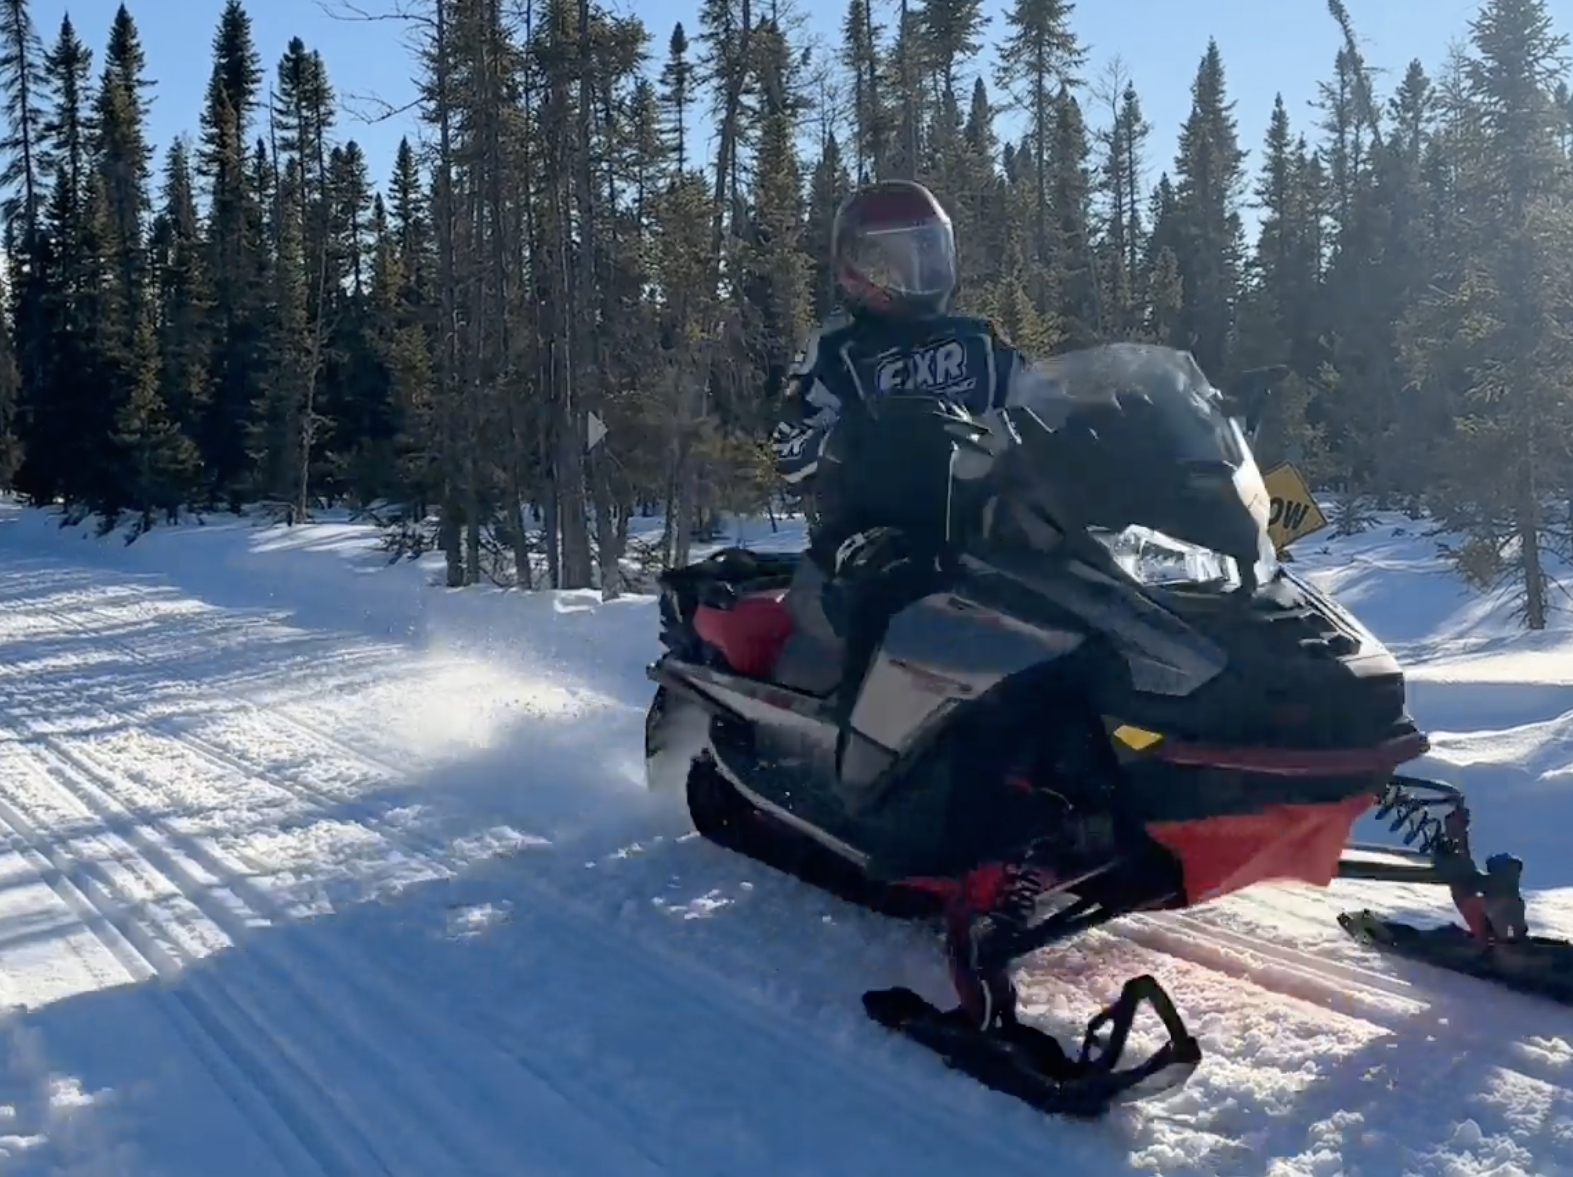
(866, 567)
(796, 450)
(873, 552)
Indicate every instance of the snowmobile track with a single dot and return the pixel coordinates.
(879, 1074)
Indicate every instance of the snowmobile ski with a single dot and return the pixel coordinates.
(1022, 1061)
(1538, 966)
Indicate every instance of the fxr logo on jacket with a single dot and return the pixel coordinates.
(939, 369)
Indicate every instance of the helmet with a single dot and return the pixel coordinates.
(893, 250)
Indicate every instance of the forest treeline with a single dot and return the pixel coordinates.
(590, 225)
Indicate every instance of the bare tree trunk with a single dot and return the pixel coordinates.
(551, 533)
(609, 549)
(568, 452)
(447, 367)
(733, 84)
(683, 524)
(308, 414)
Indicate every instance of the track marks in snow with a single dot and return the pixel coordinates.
(1393, 1057)
(422, 1099)
(115, 902)
(360, 1074)
(1340, 988)
(189, 796)
(583, 971)
(223, 809)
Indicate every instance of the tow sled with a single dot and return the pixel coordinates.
(1112, 700)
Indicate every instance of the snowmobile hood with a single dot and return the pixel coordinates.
(1134, 435)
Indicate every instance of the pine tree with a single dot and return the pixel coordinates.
(952, 35)
(274, 325)
(66, 132)
(1077, 307)
(1119, 184)
(22, 88)
(829, 186)
(234, 245)
(184, 297)
(1208, 246)
(1039, 57)
(157, 462)
(1498, 329)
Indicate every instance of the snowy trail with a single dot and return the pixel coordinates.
(318, 894)
(161, 829)
(401, 1094)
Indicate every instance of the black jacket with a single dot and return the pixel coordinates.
(824, 443)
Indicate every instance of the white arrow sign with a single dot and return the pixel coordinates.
(595, 431)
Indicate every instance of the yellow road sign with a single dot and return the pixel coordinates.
(1294, 514)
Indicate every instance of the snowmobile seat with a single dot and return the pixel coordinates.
(812, 655)
(727, 608)
(749, 634)
(763, 615)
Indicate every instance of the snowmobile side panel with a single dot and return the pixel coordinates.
(1298, 762)
(942, 650)
(1164, 655)
(1174, 780)
(1223, 854)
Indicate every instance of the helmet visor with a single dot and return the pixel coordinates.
(914, 261)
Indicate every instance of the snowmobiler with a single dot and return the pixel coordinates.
(894, 257)
(1115, 700)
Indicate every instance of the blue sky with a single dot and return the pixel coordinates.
(1268, 46)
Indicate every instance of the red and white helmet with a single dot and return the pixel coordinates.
(893, 250)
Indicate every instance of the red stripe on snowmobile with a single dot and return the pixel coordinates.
(1380, 758)
(1302, 843)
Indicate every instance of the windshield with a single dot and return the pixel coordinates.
(1137, 445)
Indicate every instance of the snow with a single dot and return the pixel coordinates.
(308, 866)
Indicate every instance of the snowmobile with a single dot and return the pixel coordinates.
(1116, 700)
